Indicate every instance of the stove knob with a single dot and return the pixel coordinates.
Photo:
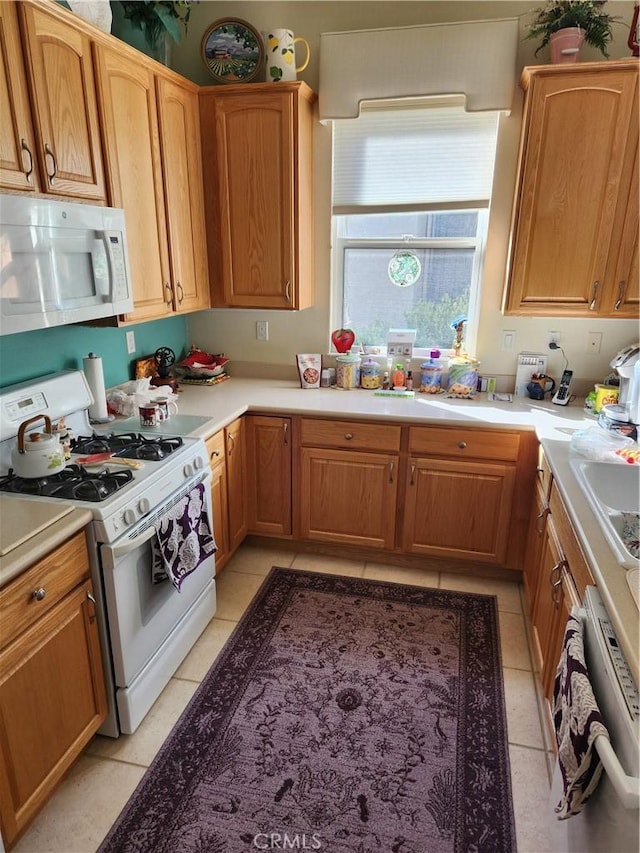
(144, 506)
(198, 463)
(188, 470)
(129, 516)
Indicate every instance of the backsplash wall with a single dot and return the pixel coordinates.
(32, 354)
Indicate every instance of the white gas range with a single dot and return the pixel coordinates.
(146, 628)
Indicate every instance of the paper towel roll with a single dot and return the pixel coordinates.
(95, 378)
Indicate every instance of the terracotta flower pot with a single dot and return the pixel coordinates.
(565, 45)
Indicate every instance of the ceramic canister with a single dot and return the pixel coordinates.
(430, 377)
(370, 374)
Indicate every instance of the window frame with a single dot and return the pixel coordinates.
(339, 243)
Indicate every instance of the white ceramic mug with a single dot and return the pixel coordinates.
(280, 54)
(166, 408)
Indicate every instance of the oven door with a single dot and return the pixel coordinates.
(152, 626)
(610, 818)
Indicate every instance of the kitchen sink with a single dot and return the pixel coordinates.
(612, 490)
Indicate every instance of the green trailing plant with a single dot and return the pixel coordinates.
(157, 17)
(589, 15)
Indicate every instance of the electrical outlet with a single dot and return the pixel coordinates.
(131, 342)
(262, 330)
(594, 340)
(553, 338)
(508, 338)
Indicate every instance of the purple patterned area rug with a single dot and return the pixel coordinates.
(343, 715)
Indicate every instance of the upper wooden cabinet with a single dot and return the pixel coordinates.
(152, 149)
(182, 174)
(257, 144)
(17, 140)
(65, 113)
(574, 249)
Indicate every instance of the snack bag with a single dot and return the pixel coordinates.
(309, 369)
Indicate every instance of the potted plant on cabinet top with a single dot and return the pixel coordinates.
(566, 24)
(148, 24)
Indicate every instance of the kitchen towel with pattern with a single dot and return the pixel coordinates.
(577, 721)
(183, 539)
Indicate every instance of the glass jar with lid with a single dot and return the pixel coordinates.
(348, 370)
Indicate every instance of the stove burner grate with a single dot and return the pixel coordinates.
(128, 445)
(74, 482)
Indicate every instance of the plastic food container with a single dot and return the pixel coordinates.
(370, 374)
(348, 371)
(430, 377)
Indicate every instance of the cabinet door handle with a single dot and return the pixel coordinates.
(168, 294)
(592, 304)
(39, 593)
(29, 171)
(462, 445)
(556, 584)
(287, 290)
(621, 287)
(214, 453)
(180, 293)
(540, 516)
(91, 598)
(49, 153)
(412, 479)
(231, 442)
(348, 436)
(391, 472)
(285, 433)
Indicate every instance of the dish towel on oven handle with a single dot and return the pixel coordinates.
(183, 539)
(577, 721)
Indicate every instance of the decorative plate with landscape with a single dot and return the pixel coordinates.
(232, 50)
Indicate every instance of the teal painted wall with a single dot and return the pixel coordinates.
(32, 354)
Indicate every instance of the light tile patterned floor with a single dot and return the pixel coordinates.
(78, 816)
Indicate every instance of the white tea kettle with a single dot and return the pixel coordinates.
(39, 454)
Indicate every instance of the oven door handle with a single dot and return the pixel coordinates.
(120, 550)
(626, 787)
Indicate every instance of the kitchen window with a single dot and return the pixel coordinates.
(411, 192)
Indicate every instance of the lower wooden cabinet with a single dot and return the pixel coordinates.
(349, 497)
(268, 441)
(219, 499)
(458, 509)
(555, 580)
(52, 692)
(236, 456)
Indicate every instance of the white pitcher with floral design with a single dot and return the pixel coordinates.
(279, 45)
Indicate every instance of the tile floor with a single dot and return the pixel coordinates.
(80, 813)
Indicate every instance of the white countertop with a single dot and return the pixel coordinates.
(554, 426)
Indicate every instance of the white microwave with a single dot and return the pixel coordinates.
(60, 262)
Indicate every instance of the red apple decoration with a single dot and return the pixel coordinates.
(343, 339)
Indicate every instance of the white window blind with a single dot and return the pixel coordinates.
(427, 157)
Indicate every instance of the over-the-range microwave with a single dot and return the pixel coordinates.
(60, 262)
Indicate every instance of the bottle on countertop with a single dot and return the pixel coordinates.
(397, 380)
(385, 381)
(409, 380)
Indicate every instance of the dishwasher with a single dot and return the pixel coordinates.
(610, 819)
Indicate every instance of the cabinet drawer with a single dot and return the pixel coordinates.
(570, 548)
(543, 473)
(215, 449)
(350, 435)
(461, 442)
(56, 574)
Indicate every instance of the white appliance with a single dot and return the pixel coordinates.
(60, 262)
(146, 629)
(626, 364)
(610, 818)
